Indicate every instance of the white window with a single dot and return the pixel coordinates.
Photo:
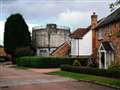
(43, 51)
(100, 34)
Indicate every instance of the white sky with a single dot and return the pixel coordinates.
(70, 13)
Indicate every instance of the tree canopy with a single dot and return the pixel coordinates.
(16, 33)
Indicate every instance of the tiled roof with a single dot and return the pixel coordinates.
(114, 17)
(62, 50)
(79, 33)
(108, 46)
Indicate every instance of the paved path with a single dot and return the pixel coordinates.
(16, 79)
(44, 71)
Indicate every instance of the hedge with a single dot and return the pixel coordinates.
(115, 73)
(2, 58)
(43, 62)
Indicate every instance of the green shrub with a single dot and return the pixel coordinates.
(76, 63)
(115, 67)
(43, 62)
(115, 73)
(83, 61)
(2, 58)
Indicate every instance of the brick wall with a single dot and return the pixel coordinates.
(94, 39)
(111, 30)
(62, 50)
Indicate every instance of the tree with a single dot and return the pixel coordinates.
(114, 5)
(16, 34)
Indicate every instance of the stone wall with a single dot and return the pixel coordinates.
(50, 37)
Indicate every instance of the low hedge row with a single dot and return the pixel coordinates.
(42, 62)
(2, 59)
(114, 73)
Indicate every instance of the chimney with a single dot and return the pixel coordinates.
(93, 20)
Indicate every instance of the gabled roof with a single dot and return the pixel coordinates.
(79, 33)
(113, 17)
(107, 45)
(62, 50)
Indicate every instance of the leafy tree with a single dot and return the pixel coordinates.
(114, 5)
(16, 34)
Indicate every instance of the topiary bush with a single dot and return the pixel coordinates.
(115, 73)
(43, 62)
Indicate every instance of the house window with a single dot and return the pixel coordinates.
(43, 51)
(110, 31)
(100, 34)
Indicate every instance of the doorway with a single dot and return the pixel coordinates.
(102, 60)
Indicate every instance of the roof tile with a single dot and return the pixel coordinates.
(79, 33)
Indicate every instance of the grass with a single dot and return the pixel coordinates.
(92, 78)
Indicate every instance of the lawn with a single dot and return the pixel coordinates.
(92, 78)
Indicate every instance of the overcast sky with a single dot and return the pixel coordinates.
(70, 13)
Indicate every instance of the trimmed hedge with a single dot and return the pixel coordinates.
(43, 62)
(2, 59)
(115, 73)
(116, 66)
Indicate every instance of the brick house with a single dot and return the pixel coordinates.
(108, 40)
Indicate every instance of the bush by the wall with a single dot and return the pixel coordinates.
(43, 62)
(116, 66)
(3, 58)
(83, 61)
(115, 73)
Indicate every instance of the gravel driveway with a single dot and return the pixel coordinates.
(17, 79)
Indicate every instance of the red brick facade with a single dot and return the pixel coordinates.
(93, 25)
(62, 50)
(110, 34)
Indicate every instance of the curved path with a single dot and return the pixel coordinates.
(17, 79)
